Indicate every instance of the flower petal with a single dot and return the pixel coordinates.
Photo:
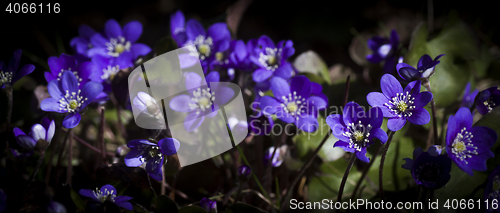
(112, 29)
(424, 62)
(422, 99)
(51, 105)
(285, 71)
(71, 120)
(25, 70)
(315, 103)
(377, 99)
(51, 129)
(139, 49)
(380, 134)
(352, 113)
(14, 61)
(25, 141)
(181, 103)
(69, 82)
(307, 123)
(390, 86)
(194, 29)
(269, 105)
(169, 146)
(336, 124)
(261, 75)
(87, 193)
(139, 143)
(125, 205)
(154, 169)
(132, 31)
(219, 31)
(54, 90)
(344, 145)
(193, 121)
(18, 132)
(419, 117)
(463, 118)
(134, 158)
(90, 91)
(38, 132)
(374, 117)
(361, 155)
(301, 85)
(280, 88)
(395, 124)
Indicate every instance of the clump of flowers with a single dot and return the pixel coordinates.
(487, 99)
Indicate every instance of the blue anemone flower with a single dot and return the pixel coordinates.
(469, 97)
(144, 151)
(277, 159)
(244, 170)
(271, 59)
(43, 131)
(209, 205)
(469, 147)
(487, 99)
(9, 73)
(357, 129)
(107, 193)
(119, 43)
(384, 50)
(401, 105)
(59, 65)
(492, 189)
(429, 169)
(178, 28)
(424, 70)
(82, 42)
(294, 102)
(67, 97)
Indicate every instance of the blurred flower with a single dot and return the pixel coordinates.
(294, 102)
(469, 147)
(81, 71)
(56, 207)
(66, 97)
(209, 205)
(44, 131)
(384, 50)
(146, 104)
(277, 159)
(492, 189)
(244, 170)
(487, 99)
(202, 100)
(425, 68)
(144, 151)
(177, 28)
(468, 98)
(400, 106)
(429, 169)
(356, 129)
(106, 69)
(236, 56)
(9, 74)
(82, 43)
(237, 126)
(119, 43)
(271, 59)
(208, 44)
(107, 193)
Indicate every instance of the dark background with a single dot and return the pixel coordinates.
(323, 26)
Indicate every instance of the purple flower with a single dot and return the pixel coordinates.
(208, 44)
(81, 71)
(468, 98)
(144, 151)
(357, 129)
(56, 207)
(9, 74)
(177, 28)
(401, 105)
(119, 43)
(277, 159)
(201, 100)
(429, 169)
(487, 99)
(469, 147)
(235, 56)
(208, 204)
(425, 68)
(44, 131)
(106, 69)
(244, 170)
(271, 59)
(67, 97)
(294, 102)
(82, 43)
(107, 193)
(492, 189)
(384, 50)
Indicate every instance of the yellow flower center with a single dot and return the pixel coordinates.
(119, 48)
(204, 49)
(402, 106)
(271, 60)
(292, 107)
(204, 101)
(219, 56)
(459, 146)
(358, 136)
(73, 104)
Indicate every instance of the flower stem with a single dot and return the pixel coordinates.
(101, 137)
(316, 151)
(10, 97)
(253, 174)
(39, 163)
(381, 168)
(69, 171)
(61, 151)
(427, 85)
(88, 145)
(365, 172)
(344, 179)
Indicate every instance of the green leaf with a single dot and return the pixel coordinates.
(460, 185)
(165, 204)
(454, 71)
(192, 209)
(79, 203)
(311, 62)
(165, 44)
(243, 208)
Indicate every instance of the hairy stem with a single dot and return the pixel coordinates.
(101, 137)
(381, 168)
(69, 171)
(344, 179)
(427, 85)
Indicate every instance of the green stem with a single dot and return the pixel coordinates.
(365, 172)
(381, 168)
(344, 179)
(253, 173)
(39, 163)
(427, 85)
(69, 170)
